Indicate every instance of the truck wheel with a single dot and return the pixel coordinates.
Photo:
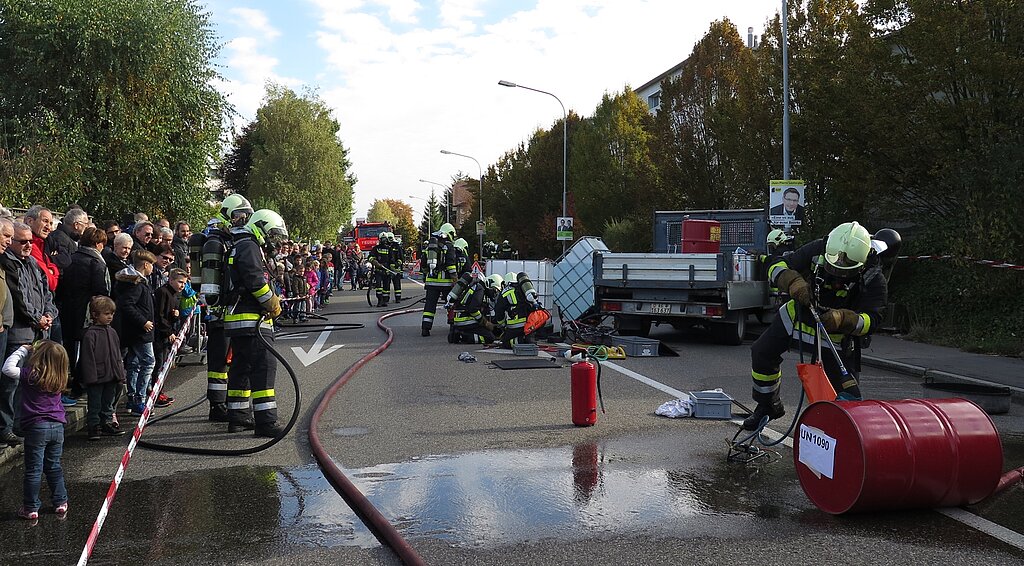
(730, 332)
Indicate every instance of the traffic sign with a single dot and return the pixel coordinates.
(476, 270)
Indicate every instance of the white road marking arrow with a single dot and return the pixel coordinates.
(316, 351)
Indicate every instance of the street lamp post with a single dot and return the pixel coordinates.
(785, 90)
(565, 143)
(481, 170)
(429, 211)
(447, 200)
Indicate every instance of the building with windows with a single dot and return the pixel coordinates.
(650, 92)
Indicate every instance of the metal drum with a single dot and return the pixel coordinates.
(743, 267)
(854, 456)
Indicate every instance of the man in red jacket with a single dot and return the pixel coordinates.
(41, 221)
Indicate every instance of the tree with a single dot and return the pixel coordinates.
(234, 169)
(403, 224)
(433, 217)
(380, 211)
(613, 174)
(108, 103)
(299, 167)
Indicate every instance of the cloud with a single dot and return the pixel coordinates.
(402, 90)
(255, 22)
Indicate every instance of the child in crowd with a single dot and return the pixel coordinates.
(100, 368)
(42, 369)
(280, 280)
(313, 280)
(298, 287)
(166, 300)
(326, 278)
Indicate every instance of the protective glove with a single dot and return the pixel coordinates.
(273, 306)
(843, 321)
(795, 285)
(488, 325)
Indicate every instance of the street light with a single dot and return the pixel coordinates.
(565, 143)
(481, 170)
(447, 200)
(429, 213)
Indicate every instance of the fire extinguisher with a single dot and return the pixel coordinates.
(585, 391)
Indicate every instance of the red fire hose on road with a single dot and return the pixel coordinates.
(382, 529)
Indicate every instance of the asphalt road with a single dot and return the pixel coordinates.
(478, 465)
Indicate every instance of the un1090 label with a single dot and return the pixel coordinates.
(817, 451)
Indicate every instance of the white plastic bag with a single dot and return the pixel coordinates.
(676, 408)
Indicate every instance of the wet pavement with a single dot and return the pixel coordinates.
(475, 465)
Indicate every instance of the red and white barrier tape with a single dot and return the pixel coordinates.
(985, 262)
(126, 458)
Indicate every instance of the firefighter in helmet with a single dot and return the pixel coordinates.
(380, 259)
(471, 324)
(397, 257)
(462, 263)
(209, 252)
(439, 272)
(517, 300)
(840, 277)
(505, 251)
(253, 306)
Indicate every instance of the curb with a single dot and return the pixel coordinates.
(922, 372)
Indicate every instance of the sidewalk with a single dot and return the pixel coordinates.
(944, 364)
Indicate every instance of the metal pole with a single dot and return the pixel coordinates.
(481, 171)
(785, 90)
(565, 146)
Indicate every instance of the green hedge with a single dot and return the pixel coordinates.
(964, 305)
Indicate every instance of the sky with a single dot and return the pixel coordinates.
(408, 78)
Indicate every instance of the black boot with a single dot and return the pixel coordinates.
(773, 409)
(241, 425)
(425, 332)
(218, 413)
(94, 432)
(268, 430)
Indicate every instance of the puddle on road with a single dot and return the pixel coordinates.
(480, 499)
(638, 486)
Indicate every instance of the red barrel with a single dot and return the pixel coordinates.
(854, 456)
(701, 236)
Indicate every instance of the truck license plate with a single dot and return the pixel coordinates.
(661, 308)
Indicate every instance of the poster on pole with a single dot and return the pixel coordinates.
(786, 205)
(563, 228)
(480, 228)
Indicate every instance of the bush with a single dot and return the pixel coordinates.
(964, 305)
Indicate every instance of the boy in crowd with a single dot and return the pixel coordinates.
(100, 368)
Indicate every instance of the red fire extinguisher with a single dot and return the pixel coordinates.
(585, 391)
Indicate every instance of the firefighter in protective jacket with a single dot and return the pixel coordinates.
(517, 301)
(252, 306)
(841, 278)
(208, 270)
(440, 273)
(397, 256)
(472, 309)
(380, 259)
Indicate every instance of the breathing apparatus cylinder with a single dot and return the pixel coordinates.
(460, 287)
(433, 251)
(527, 287)
(583, 392)
(195, 257)
(214, 252)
